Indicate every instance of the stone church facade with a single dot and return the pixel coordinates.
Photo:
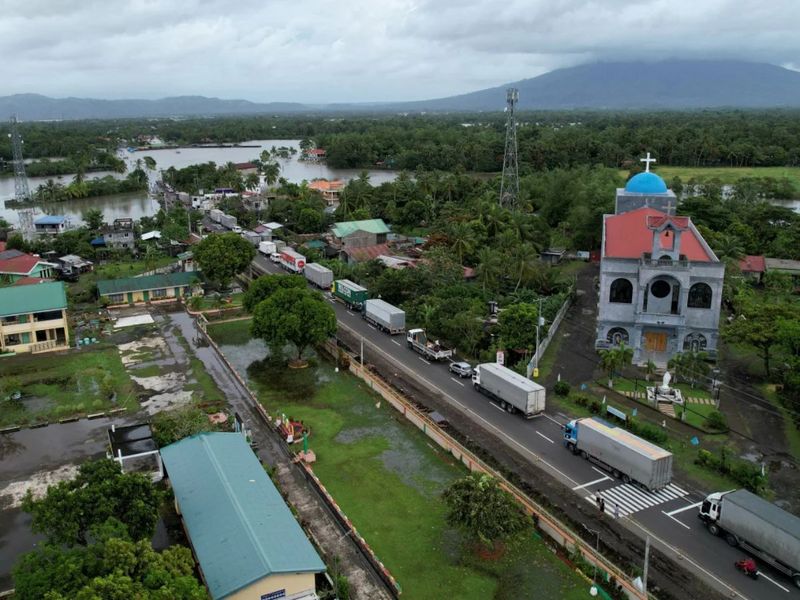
(660, 282)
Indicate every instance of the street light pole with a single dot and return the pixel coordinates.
(646, 565)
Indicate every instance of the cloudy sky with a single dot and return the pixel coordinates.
(361, 50)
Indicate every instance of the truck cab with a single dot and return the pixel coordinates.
(571, 435)
(709, 510)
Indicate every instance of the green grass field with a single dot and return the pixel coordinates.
(725, 174)
(57, 386)
(388, 478)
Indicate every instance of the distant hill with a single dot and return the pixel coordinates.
(34, 107)
(678, 84)
(672, 84)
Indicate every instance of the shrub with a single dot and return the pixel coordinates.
(561, 388)
(580, 399)
(595, 407)
(744, 473)
(716, 420)
(647, 431)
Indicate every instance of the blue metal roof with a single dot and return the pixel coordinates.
(646, 183)
(50, 220)
(238, 523)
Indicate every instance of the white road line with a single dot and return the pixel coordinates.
(771, 580)
(545, 437)
(457, 381)
(559, 423)
(396, 342)
(351, 314)
(678, 522)
(601, 473)
(371, 326)
(423, 360)
(583, 485)
(680, 510)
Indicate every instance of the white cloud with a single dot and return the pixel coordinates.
(360, 50)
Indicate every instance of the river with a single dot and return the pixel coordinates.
(138, 205)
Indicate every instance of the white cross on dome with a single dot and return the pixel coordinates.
(647, 162)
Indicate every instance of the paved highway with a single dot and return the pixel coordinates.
(669, 517)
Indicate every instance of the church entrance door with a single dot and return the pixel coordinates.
(655, 341)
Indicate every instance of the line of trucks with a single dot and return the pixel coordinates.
(742, 518)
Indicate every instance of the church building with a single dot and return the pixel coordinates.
(660, 282)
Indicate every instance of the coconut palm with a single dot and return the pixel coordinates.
(462, 239)
(271, 171)
(490, 267)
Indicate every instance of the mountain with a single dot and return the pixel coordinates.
(677, 84)
(670, 84)
(34, 107)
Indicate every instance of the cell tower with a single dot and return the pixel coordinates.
(509, 185)
(21, 191)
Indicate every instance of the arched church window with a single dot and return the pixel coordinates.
(694, 342)
(621, 291)
(700, 296)
(617, 336)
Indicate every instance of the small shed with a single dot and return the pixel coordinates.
(553, 256)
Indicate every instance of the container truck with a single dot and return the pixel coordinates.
(266, 248)
(215, 215)
(625, 455)
(320, 276)
(760, 527)
(513, 392)
(417, 340)
(228, 221)
(352, 294)
(292, 261)
(384, 316)
(252, 237)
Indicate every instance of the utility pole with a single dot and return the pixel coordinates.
(646, 564)
(21, 191)
(509, 184)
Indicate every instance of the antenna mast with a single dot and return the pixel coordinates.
(21, 191)
(509, 184)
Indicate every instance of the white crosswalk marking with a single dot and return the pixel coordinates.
(632, 499)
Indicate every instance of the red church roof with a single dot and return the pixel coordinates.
(628, 235)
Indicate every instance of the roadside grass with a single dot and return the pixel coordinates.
(725, 174)
(549, 358)
(695, 413)
(388, 478)
(233, 333)
(58, 386)
(232, 301)
(790, 429)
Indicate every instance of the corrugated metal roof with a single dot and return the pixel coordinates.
(149, 282)
(50, 220)
(345, 228)
(32, 298)
(238, 523)
(365, 253)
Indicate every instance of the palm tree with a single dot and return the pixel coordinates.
(728, 246)
(271, 171)
(525, 256)
(614, 360)
(462, 239)
(490, 266)
(251, 181)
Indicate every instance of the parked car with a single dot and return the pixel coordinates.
(275, 257)
(461, 369)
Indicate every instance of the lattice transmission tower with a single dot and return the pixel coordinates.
(509, 184)
(21, 191)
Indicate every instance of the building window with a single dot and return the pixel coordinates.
(694, 342)
(660, 288)
(9, 320)
(617, 336)
(41, 336)
(621, 291)
(700, 296)
(116, 298)
(13, 339)
(161, 293)
(50, 315)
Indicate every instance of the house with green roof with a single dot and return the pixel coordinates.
(166, 286)
(33, 318)
(359, 234)
(246, 540)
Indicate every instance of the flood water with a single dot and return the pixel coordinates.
(138, 205)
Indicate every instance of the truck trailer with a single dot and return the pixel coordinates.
(320, 276)
(352, 294)
(513, 392)
(625, 455)
(267, 248)
(228, 221)
(757, 525)
(292, 261)
(215, 215)
(417, 340)
(384, 316)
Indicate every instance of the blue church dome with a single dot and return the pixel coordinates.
(646, 183)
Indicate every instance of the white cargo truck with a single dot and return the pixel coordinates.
(215, 215)
(267, 248)
(320, 276)
(417, 340)
(384, 316)
(513, 392)
(292, 261)
(760, 527)
(625, 455)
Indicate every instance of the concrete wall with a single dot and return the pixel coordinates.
(294, 584)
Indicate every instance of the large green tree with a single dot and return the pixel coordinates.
(100, 491)
(262, 288)
(223, 256)
(761, 326)
(93, 218)
(518, 326)
(299, 316)
(478, 505)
